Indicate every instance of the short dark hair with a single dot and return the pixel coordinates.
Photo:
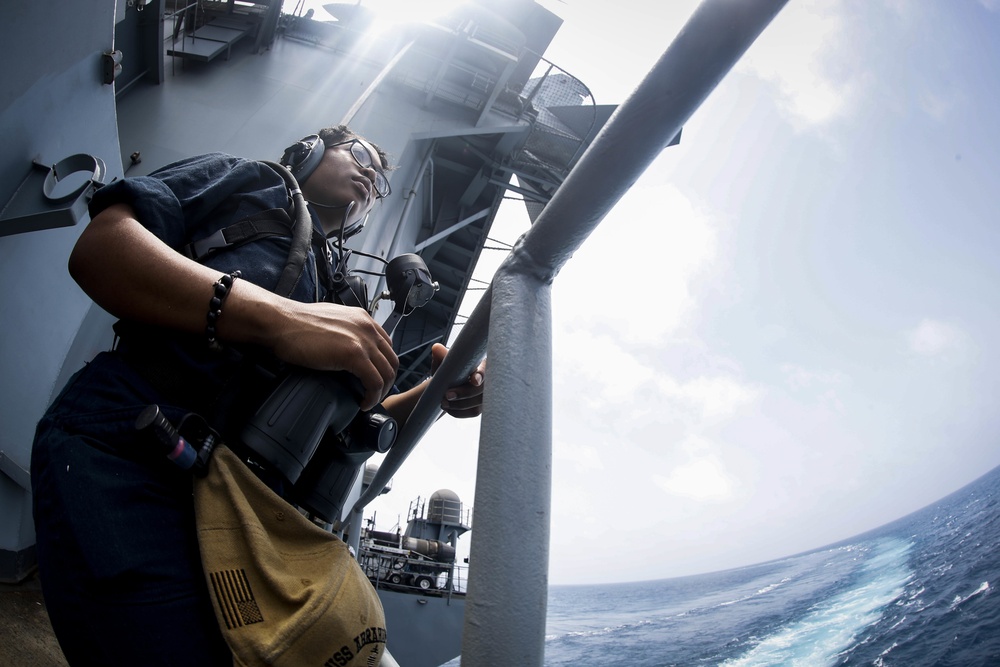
(341, 133)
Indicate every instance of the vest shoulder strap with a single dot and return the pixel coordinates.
(272, 222)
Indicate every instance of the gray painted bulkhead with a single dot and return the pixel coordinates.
(53, 104)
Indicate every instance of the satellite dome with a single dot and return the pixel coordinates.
(444, 506)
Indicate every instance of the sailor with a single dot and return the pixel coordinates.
(199, 327)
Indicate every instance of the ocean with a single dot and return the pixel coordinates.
(919, 591)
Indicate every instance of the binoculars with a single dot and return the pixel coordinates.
(311, 428)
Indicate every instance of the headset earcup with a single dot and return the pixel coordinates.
(304, 156)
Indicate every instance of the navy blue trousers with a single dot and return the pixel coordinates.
(117, 550)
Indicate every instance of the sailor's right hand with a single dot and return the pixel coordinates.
(331, 337)
(134, 275)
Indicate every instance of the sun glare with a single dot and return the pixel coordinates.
(386, 13)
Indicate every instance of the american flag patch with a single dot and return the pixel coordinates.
(235, 598)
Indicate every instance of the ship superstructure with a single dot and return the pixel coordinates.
(420, 580)
(466, 105)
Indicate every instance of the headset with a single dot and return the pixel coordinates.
(302, 158)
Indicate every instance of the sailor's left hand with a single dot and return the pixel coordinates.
(465, 400)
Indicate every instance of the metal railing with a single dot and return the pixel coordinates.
(508, 587)
(407, 574)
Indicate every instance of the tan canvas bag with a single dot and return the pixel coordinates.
(286, 592)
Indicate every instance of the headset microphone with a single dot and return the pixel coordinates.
(346, 231)
(316, 203)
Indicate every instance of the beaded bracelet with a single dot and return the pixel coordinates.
(221, 287)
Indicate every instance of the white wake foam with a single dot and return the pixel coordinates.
(831, 626)
(983, 588)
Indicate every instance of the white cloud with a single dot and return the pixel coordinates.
(934, 105)
(620, 391)
(582, 456)
(991, 5)
(933, 338)
(793, 55)
(612, 375)
(703, 479)
(712, 398)
(798, 377)
(640, 265)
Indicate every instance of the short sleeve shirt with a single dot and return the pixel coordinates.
(190, 200)
(183, 202)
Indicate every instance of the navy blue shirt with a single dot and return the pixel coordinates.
(183, 202)
(191, 199)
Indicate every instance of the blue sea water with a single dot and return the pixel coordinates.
(919, 591)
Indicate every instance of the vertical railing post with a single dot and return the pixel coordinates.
(508, 574)
(506, 605)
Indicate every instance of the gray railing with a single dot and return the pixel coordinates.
(403, 573)
(508, 583)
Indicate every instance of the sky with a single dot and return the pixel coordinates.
(793, 342)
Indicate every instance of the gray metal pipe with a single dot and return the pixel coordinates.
(508, 582)
(715, 37)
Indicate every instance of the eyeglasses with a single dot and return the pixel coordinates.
(364, 158)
